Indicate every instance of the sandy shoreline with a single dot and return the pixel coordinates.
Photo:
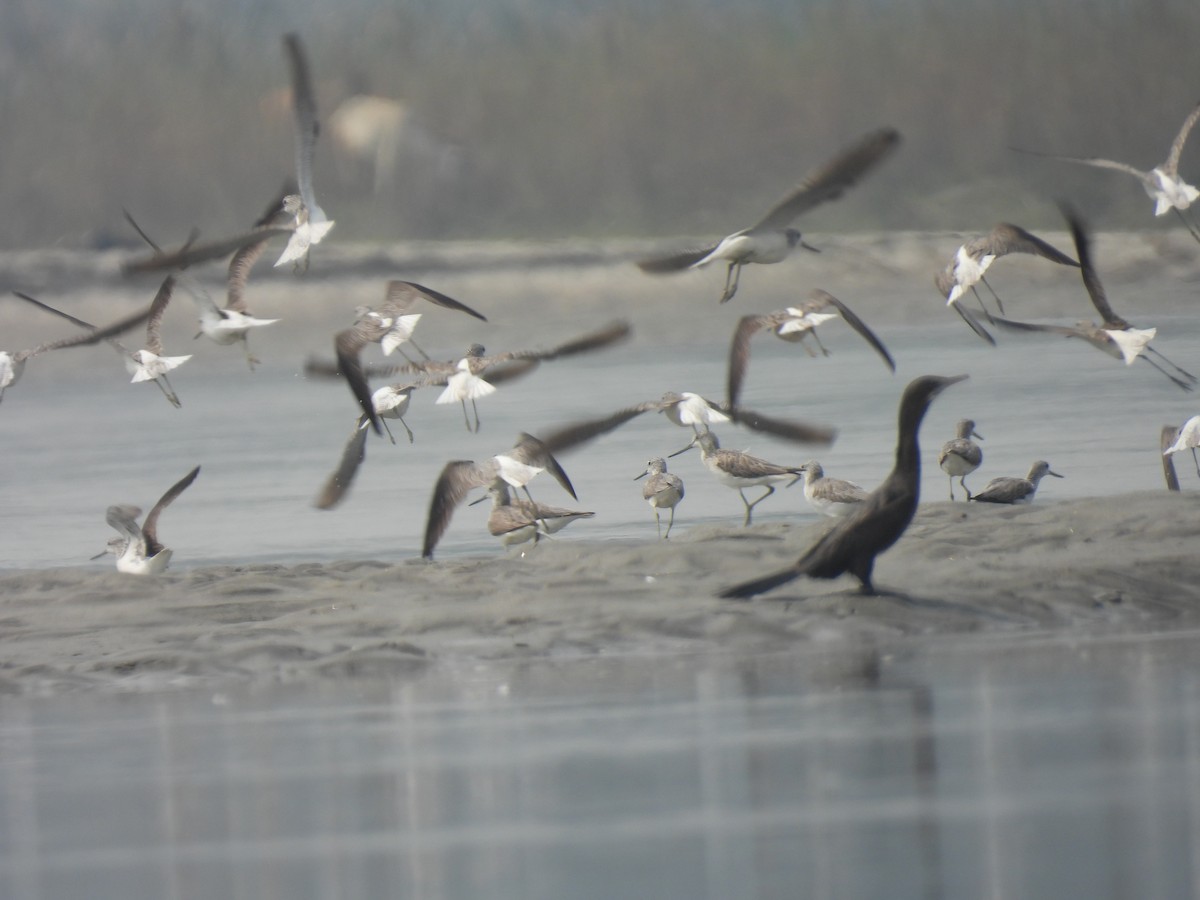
(1078, 566)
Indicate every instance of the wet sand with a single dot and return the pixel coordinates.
(1071, 567)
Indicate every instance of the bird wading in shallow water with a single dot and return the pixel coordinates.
(850, 547)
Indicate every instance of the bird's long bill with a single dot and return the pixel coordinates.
(477, 502)
(99, 555)
(647, 472)
(1055, 474)
(809, 247)
(684, 450)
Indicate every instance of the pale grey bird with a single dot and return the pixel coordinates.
(311, 222)
(662, 489)
(740, 470)
(961, 456)
(149, 363)
(793, 324)
(516, 521)
(1015, 490)
(1162, 184)
(12, 362)
(771, 240)
(976, 256)
(138, 549)
(829, 496)
(1114, 335)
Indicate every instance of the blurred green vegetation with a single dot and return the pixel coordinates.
(617, 118)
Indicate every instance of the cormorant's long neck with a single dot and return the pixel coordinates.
(908, 451)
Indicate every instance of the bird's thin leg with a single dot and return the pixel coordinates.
(1179, 381)
(671, 520)
(817, 338)
(251, 361)
(1184, 372)
(979, 300)
(417, 347)
(534, 506)
(951, 488)
(406, 428)
(1196, 461)
(732, 274)
(999, 302)
(658, 522)
(165, 387)
(475, 410)
(1191, 227)
(750, 506)
(863, 571)
(385, 428)
(963, 481)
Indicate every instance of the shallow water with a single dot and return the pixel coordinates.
(974, 767)
(77, 442)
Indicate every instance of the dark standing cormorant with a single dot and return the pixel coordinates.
(852, 545)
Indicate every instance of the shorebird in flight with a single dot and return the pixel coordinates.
(138, 549)
(390, 402)
(793, 324)
(147, 364)
(973, 259)
(661, 489)
(516, 467)
(830, 496)
(1162, 184)
(853, 543)
(771, 239)
(961, 456)
(311, 222)
(475, 374)
(12, 363)
(1114, 335)
(1007, 489)
(393, 321)
(231, 323)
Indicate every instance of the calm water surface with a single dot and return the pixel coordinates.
(953, 768)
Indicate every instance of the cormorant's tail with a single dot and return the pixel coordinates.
(748, 589)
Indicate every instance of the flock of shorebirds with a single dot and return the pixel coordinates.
(868, 523)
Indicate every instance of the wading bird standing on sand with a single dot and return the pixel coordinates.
(853, 543)
(771, 239)
(961, 456)
(661, 489)
(739, 470)
(1014, 490)
(834, 497)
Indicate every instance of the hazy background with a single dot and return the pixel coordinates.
(533, 118)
